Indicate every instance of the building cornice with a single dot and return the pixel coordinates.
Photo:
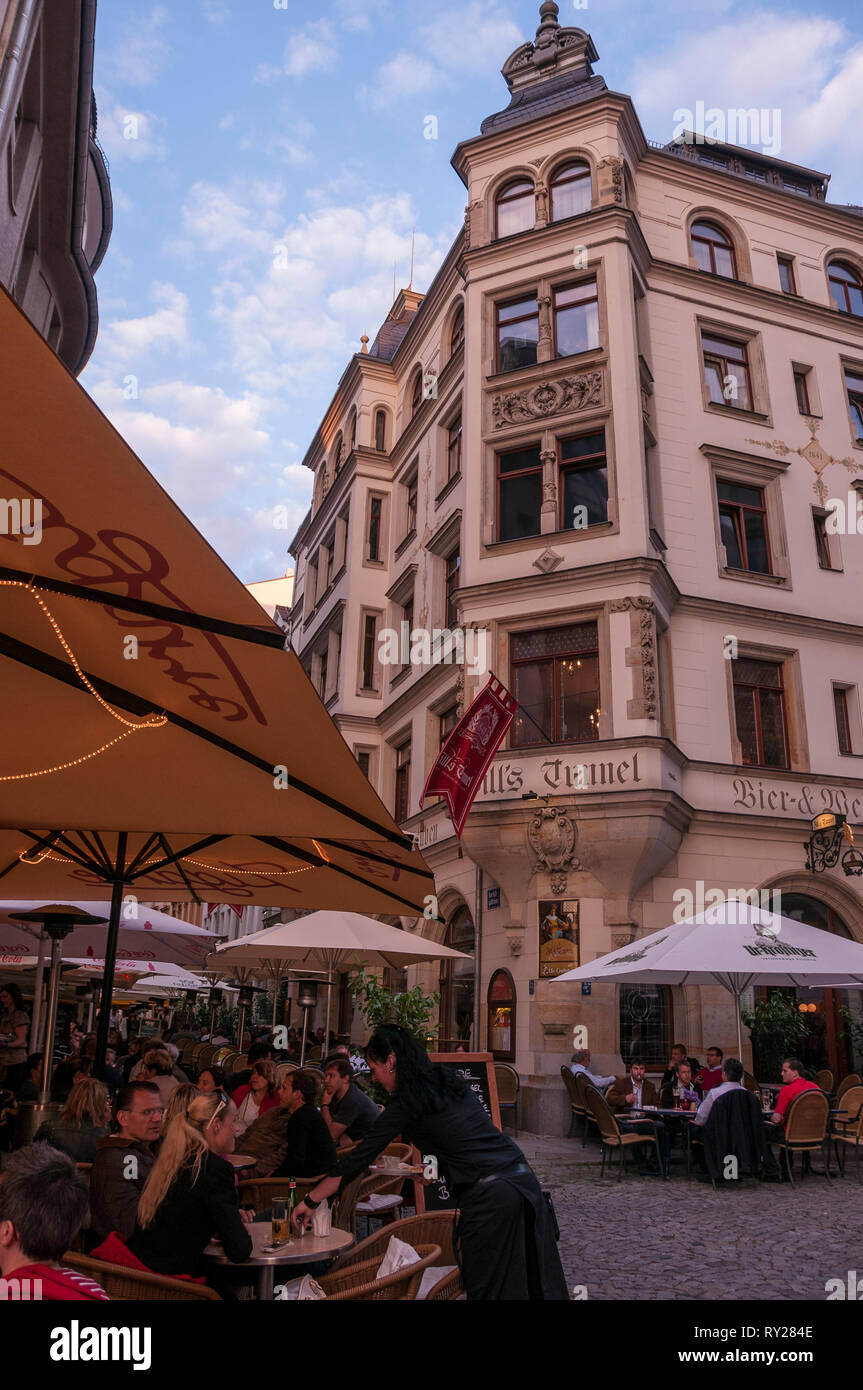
(741, 293)
(800, 624)
(635, 570)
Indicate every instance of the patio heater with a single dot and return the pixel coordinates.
(243, 1001)
(307, 998)
(56, 920)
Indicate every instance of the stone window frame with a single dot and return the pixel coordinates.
(383, 548)
(758, 385)
(735, 234)
(515, 174)
(543, 287)
(597, 612)
(850, 364)
(733, 466)
(794, 708)
(374, 691)
(855, 261)
(547, 435)
(852, 709)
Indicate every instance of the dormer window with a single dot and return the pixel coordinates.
(712, 250)
(515, 208)
(846, 289)
(570, 191)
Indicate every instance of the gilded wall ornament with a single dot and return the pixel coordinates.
(813, 452)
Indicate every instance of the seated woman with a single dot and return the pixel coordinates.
(257, 1097)
(179, 1104)
(190, 1195)
(211, 1079)
(82, 1122)
(158, 1067)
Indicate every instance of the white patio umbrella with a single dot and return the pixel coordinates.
(328, 941)
(736, 946)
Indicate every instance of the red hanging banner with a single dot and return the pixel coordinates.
(235, 907)
(462, 762)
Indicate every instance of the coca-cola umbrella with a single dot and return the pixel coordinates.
(734, 945)
(158, 738)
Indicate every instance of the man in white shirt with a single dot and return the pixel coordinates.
(581, 1062)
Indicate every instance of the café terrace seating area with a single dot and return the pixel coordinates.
(825, 1122)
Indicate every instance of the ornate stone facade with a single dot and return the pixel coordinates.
(548, 398)
(641, 656)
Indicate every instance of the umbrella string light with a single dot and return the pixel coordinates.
(199, 863)
(152, 721)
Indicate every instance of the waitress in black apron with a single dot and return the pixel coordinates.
(504, 1234)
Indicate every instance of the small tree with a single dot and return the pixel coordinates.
(410, 1008)
(776, 1028)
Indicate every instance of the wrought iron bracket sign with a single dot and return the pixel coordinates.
(824, 846)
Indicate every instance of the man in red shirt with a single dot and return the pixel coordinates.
(43, 1205)
(794, 1082)
(711, 1075)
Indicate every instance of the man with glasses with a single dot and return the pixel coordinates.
(123, 1160)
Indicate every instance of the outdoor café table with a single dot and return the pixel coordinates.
(679, 1115)
(241, 1161)
(301, 1250)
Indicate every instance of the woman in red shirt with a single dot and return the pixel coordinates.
(257, 1097)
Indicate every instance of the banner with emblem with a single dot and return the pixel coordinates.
(462, 762)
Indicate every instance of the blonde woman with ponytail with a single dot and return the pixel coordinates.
(191, 1194)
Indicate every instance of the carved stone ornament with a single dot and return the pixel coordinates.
(615, 164)
(548, 561)
(547, 398)
(551, 836)
(515, 940)
(645, 703)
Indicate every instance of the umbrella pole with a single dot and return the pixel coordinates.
(110, 959)
(305, 1035)
(326, 1046)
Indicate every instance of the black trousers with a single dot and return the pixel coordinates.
(505, 1240)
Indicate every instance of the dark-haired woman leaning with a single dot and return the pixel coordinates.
(504, 1231)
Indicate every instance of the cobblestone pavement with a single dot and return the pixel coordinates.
(642, 1238)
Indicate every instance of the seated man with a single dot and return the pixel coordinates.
(794, 1083)
(43, 1205)
(678, 1054)
(581, 1062)
(310, 1148)
(123, 1160)
(681, 1087)
(637, 1091)
(347, 1111)
(711, 1074)
(633, 1090)
(732, 1079)
(29, 1089)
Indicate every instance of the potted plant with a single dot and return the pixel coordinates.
(776, 1029)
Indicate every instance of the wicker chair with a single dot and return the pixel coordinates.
(577, 1107)
(262, 1192)
(848, 1128)
(508, 1087)
(610, 1132)
(236, 1063)
(283, 1069)
(825, 1080)
(359, 1282)
(434, 1227)
(805, 1128)
(381, 1194)
(133, 1285)
(852, 1079)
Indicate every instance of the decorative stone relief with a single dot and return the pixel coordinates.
(515, 940)
(551, 836)
(614, 164)
(641, 656)
(548, 561)
(547, 398)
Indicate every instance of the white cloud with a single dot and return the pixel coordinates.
(405, 75)
(356, 16)
(313, 49)
(126, 134)
(216, 11)
(141, 54)
(458, 42)
(238, 222)
(125, 342)
(215, 455)
(229, 120)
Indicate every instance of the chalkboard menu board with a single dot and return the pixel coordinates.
(477, 1068)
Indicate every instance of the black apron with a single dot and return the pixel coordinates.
(505, 1240)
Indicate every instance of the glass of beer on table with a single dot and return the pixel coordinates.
(281, 1223)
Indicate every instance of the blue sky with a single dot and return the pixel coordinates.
(279, 164)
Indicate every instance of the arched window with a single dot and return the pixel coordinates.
(457, 335)
(381, 431)
(457, 983)
(712, 250)
(416, 392)
(515, 208)
(501, 1016)
(352, 431)
(570, 190)
(846, 288)
(337, 456)
(645, 1024)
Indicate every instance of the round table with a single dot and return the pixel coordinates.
(302, 1250)
(240, 1161)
